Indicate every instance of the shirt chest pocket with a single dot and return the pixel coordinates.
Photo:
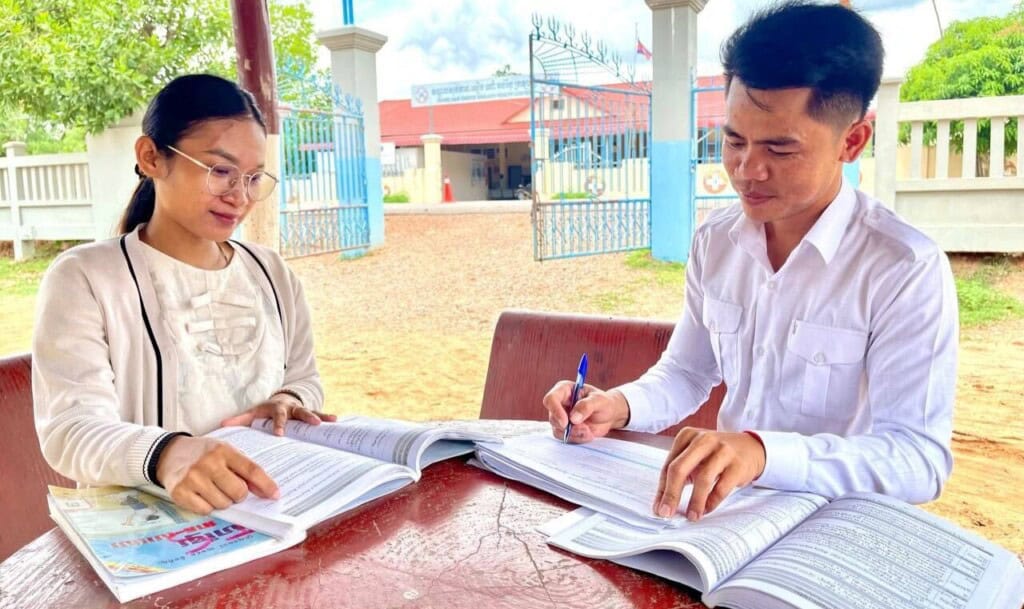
(823, 370)
(722, 320)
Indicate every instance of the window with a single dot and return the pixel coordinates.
(557, 104)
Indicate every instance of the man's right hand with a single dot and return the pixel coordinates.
(203, 474)
(596, 413)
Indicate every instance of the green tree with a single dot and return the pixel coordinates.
(980, 57)
(82, 65)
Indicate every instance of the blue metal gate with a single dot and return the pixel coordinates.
(710, 187)
(590, 127)
(323, 194)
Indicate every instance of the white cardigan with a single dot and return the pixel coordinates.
(104, 371)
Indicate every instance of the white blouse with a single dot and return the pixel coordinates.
(229, 345)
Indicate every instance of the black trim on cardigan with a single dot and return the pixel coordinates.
(156, 451)
(273, 289)
(152, 339)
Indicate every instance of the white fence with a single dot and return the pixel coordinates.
(962, 210)
(44, 197)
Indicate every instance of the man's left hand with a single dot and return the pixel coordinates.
(714, 462)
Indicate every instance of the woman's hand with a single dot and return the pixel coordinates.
(203, 474)
(279, 408)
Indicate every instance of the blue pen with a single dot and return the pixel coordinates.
(581, 377)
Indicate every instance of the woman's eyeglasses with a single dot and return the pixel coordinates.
(223, 178)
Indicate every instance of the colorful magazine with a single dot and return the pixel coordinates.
(139, 544)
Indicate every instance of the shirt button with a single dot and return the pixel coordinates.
(819, 358)
(771, 285)
(759, 351)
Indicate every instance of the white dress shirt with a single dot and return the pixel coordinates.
(843, 361)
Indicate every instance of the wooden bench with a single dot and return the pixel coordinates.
(24, 474)
(531, 351)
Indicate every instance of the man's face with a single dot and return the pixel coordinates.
(784, 164)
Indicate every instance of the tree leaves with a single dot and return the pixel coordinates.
(86, 64)
(981, 57)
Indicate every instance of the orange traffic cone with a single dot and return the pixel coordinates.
(446, 194)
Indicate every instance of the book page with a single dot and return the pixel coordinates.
(716, 545)
(609, 476)
(315, 481)
(867, 551)
(403, 442)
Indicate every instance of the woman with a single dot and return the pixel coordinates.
(148, 340)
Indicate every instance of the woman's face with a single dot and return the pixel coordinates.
(183, 199)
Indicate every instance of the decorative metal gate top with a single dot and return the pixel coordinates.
(323, 194)
(590, 124)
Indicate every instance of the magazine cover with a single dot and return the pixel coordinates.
(134, 534)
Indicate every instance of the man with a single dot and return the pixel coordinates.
(832, 322)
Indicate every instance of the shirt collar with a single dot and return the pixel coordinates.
(825, 235)
(828, 231)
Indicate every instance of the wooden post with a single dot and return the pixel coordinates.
(251, 21)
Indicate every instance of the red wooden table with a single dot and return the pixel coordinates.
(460, 537)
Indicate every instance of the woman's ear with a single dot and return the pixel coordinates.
(151, 163)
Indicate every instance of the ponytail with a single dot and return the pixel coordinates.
(140, 207)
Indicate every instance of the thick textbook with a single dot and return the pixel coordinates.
(140, 542)
(327, 469)
(760, 548)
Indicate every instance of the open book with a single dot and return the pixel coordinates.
(324, 470)
(775, 549)
(609, 476)
(760, 548)
(139, 544)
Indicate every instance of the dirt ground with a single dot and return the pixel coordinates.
(405, 332)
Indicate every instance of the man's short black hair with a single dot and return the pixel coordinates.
(828, 48)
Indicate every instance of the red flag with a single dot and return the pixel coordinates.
(642, 50)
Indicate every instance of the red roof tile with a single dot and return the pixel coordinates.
(489, 122)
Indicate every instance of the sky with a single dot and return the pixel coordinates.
(432, 41)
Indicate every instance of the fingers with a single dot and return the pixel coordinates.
(256, 480)
(681, 461)
(192, 501)
(555, 401)
(706, 479)
(243, 420)
(279, 416)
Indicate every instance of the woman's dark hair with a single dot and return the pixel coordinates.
(182, 105)
(828, 48)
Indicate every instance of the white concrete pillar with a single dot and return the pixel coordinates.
(431, 168)
(112, 178)
(886, 140)
(674, 24)
(354, 70)
(24, 244)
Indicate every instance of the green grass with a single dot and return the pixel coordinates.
(398, 197)
(22, 278)
(665, 274)
(981, 303)
(572, 195)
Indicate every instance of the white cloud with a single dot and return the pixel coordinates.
(441, 40)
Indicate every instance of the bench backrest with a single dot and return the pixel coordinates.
(531, 351)
(24, 474)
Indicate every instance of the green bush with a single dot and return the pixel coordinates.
(572, 195)
(398, 197)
